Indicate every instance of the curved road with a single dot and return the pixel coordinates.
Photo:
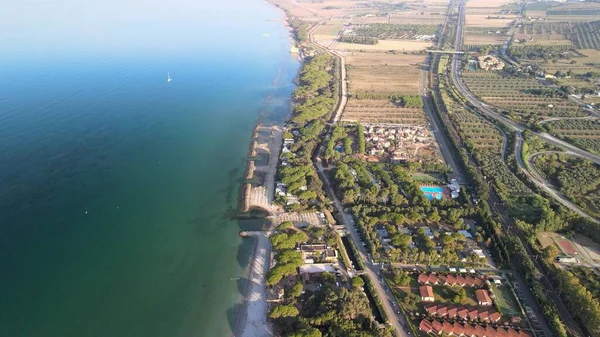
(572, 327)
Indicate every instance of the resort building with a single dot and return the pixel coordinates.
(463, 313)
(468, 330)
(319, 252)
(426, 294)
(483, 297)
(451, 280)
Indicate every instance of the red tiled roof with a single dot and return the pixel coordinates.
(431, 309)
(463, 313)
(483, 315)
(448, 328)
(483, 296)
(426, 291)
(473, 314)
(437, 327)
(452, 312)
(425, 278)
(457, 329)
(442, 311)
(426, 326)
(495, 316)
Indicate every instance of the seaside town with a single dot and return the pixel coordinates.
(396, 214)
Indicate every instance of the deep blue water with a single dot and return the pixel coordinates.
(117, 189)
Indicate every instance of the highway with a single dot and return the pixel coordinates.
(489, 112)
(565, 315)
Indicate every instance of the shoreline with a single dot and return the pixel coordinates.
(252, 317)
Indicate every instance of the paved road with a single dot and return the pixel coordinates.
(541, 182)
(390, 306)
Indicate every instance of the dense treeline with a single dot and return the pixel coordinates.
(359, 39)
(521, 259)
(577, 178)
(327, 311)
(315, 96)
(535, 52)
(408, 101)
(393, 31)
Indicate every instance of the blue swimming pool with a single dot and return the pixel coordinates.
(431, 192)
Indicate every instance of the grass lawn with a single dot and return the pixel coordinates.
(445, 294)
(428, 177)
(506, 302)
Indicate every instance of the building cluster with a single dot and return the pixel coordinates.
(490, 62)
(398, 143)
(318, 252)
(451, 280)
(454, 187)
(468, 330)
(463, 313)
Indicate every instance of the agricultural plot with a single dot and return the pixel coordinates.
(382, 73)
(487, 20)
(581, 35)
(382, 45)
(522, 96)
(482, 134)
(391, 31)
(382, 111)
(518, 199)
(582, 133)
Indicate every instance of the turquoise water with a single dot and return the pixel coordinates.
(117, 189)
(432, 192)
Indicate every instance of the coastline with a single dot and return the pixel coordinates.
(252, 317)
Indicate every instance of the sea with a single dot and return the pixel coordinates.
(118, 189)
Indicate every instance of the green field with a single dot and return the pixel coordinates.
(506, 302)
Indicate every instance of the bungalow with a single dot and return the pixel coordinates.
(463, 313)
(483, 297)
(457, 329)
(426, 294)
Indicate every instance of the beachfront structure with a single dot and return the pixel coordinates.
(463, 313)
(483, 297)
(468, 330)
(319, 252)
(426, 294)
(307, 270)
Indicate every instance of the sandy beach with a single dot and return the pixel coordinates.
(252, 321)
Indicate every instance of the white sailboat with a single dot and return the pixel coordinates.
(168, 77)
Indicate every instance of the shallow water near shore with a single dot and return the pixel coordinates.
(118, 190)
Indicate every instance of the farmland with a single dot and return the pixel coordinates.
(382, 111)
(384, 73)
(576, 178)
(581, 35)
(524, 97)
(478, 131)
(391, 31)
(582, 133)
